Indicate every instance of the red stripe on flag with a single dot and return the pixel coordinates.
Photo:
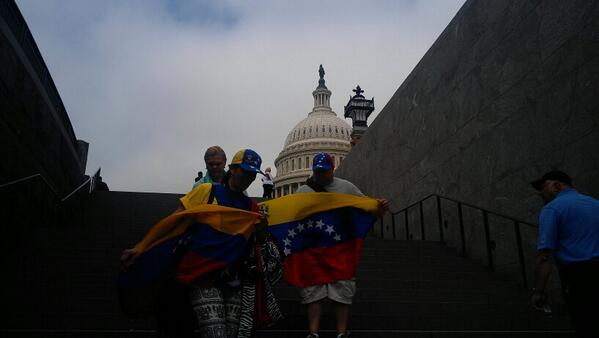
(194, 266)
(317, 266)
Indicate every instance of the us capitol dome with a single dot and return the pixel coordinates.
(321, 131)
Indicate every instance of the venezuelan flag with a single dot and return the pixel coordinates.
(185, 245)
(320, 234)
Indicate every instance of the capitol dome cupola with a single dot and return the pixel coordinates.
(322, 95)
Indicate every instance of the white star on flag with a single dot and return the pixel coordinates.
(330, 229)
(319, 224)
(291, 233)
(337, 237)
(310, 223)
(287, 251)
(300, 227)
(287, 242)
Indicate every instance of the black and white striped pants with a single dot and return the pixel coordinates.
(217, 311)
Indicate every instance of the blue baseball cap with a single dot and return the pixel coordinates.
(248, 160)
(322, 162)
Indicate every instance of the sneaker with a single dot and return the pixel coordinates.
(343, 335)
(313, 335)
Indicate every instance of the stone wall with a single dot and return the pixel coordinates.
(507, 92)
(36, 135)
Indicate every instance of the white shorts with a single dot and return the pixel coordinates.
(342, 291)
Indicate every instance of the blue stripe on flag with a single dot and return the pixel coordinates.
(322, 230)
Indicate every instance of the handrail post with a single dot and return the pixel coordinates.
(462, 234)
(393, 224)
(407, 224)
(440, 216)
(520, 254)
(421, 220)
(488, 240)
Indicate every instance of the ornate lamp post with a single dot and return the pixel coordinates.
(358, 108)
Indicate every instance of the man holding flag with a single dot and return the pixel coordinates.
(215, 247)
(343, 286)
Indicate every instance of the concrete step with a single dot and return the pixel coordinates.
(445, 274)
(435, 294)
(412, 321)
(399, 251)
(414, 257)
(389, 243)
(299, 333)
(419, 334)
(448, 265)
(424, 309)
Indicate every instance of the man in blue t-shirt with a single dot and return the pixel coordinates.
(569, 236)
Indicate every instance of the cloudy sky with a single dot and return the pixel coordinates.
(150, 84)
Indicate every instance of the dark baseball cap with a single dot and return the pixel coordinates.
(555, 175)
(322, 162)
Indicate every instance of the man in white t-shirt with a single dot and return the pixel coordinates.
(267, 183)
(340, 292)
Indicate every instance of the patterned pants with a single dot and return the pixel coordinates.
(217, 311)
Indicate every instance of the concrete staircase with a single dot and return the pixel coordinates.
(424, 289)
(62, 284)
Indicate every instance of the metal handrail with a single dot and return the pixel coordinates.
(22, 179)
(490, 245)
(91, 180)
(465, 204)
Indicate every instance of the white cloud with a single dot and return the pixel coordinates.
(151, 86)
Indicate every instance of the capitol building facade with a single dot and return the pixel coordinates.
(321, 131)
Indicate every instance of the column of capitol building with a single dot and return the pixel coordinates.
(321, 131)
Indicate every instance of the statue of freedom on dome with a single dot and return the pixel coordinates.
(321, 72)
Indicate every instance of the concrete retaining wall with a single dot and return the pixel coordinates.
(507, 92)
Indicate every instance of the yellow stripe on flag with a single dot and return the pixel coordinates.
(228, 220)
(299, 206)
